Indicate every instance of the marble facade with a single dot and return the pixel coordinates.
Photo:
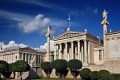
(27, 54)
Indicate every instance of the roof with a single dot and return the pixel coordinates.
(23, 48)
(46, 52)
(97, 46)
(80, 33)
(114, 32)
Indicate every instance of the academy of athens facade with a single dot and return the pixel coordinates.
(76, 45)
(94, 53)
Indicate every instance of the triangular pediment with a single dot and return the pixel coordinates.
(69, 35)
(28, 49)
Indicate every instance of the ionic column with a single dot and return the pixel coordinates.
(71, 55)
(22, 55)
(25, 57)
(88, 51)
(28, 58)
(55, 52)
(60, 49)
(85, 52)
(79, 50)
(66, 51)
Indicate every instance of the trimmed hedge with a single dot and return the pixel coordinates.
(46, 66)
(104, 75)
(84, 73)
(93, 75)
(116, 76)
(75, 65)
(61, 67)
(7, 73)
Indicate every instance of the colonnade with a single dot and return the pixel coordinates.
(79, 49)
(12, 57)
(28, 57)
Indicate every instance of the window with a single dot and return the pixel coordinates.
(100, 54)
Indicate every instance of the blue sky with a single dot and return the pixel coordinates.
(26, 21)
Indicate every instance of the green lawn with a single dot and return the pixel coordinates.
(52, 79)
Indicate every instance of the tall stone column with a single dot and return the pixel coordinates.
(66, 53)
(28, 58)
(71, 55)
(88, 51)
(85, 53)
(105, 23)
(60, 51)
(48, 35)
(55, 52)
(79, 49)
(22, 55)
(25, 56)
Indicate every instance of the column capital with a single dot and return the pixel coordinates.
(78, 41)
(71, 41)
(65, 42)
(54, 44)
(84, 39)
(59, 43)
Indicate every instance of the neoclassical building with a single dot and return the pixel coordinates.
(94, 53)
(76, 45)
(27, 54)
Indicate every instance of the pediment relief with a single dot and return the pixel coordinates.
(28, 49)
(69, 35)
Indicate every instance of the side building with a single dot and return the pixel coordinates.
(27, 54)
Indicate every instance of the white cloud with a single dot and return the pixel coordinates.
(76, 13)
(95, 11)
(14, 16)
(28, 23)
(42, 3)
(11, 45)
(43, 48)
(38, 23)
(89, 10)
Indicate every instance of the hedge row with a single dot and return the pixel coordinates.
(87, 74)
(61, 66)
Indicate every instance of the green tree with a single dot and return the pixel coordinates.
(8, 72)
(75, 65)
(61, 67)
(20, 66)
(84, 73)
(93, 75)
(104, 75)
(46, 66)
(3, 66)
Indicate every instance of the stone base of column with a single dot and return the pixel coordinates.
(85, 64)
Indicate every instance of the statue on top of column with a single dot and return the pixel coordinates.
(48, 34)
(105, 15)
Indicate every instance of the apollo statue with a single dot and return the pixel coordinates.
(105, 15)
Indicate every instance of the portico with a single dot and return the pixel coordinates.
(75, 45)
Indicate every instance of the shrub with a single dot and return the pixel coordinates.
(20, 66)
(61, 67)
(75, 65)
(93, 75)
(46, 66)
(116, 76)
(3, 67)
(104, 75)
(7, 73)
(84, 73)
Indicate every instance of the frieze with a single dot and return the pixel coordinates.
(113, 38)
(68, 35)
